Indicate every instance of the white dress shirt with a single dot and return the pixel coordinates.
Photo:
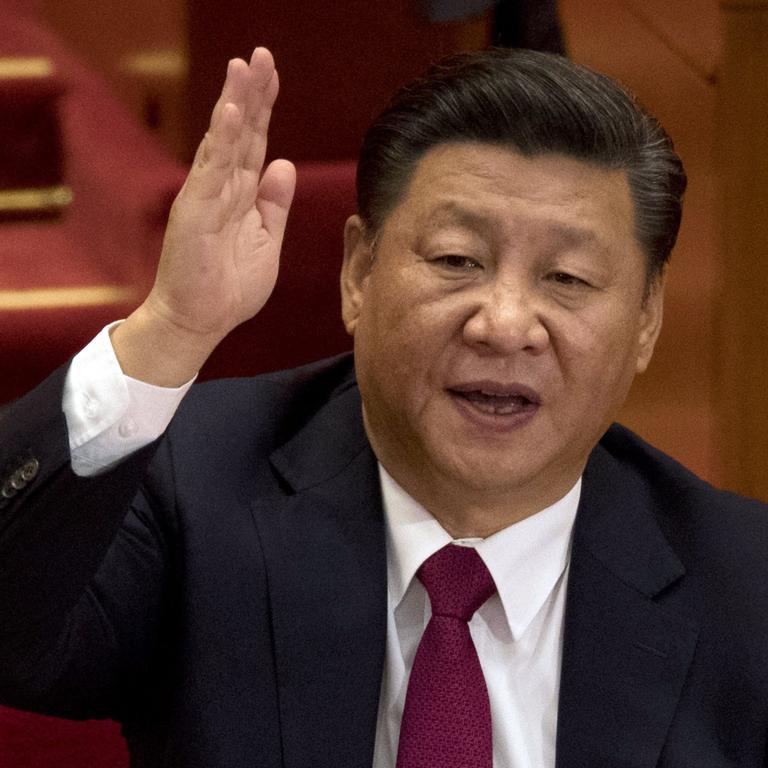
(110, 415)
(518, 632)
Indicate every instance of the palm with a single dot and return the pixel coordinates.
(221, 251)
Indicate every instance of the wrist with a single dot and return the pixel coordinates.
(152, 349)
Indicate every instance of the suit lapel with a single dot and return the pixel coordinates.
(630, 627)
(631, 618)
(324, 548)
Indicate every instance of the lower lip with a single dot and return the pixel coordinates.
(494, 422)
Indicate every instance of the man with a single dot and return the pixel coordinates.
(256, 587)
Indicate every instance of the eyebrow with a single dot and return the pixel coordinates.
(454, 213)
(569, 235)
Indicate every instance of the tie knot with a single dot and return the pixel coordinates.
(457, 581)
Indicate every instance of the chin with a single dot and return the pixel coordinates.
(489, 477)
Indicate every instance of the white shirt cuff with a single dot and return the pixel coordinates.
(110, 415)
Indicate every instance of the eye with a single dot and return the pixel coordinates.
(565, 278)
(455, 262)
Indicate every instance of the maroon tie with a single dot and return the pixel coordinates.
(447, 716)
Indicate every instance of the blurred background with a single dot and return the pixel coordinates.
(101, 107)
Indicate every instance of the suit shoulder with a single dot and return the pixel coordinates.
(277, 403)
(668, 477)
(694, 514)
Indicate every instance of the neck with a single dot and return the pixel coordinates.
(468, 513)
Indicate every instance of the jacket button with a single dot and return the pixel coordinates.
(17, 481)
(29, 470)
(8, 491)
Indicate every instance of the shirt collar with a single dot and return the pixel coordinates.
(526, 559)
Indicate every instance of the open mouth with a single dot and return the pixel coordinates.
(508, 404)
(495, 403)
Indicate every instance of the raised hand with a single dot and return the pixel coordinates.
(222, 245)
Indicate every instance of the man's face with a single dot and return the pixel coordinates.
(498, 323)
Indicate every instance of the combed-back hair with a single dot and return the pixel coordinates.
(533, 103)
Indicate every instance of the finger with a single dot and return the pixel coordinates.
(235, 89)
(262, 65)
(258, 109)
(275, 196)
(245, 82)
(257, 129)
(216, 155)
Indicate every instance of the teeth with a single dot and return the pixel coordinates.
(498, 409)
(491, 402)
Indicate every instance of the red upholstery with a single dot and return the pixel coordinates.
(122, 182)
(34, 741)
(302, 320)
(339, 63)
(111, 235)
(31, 155)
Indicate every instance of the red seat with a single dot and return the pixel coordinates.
(34, 741)
(109, 241)
(302, 320)
(96, 261)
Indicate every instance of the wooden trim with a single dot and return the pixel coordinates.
(741, 320)
(743, 5)
(701, 62)
(59, 298)
(167, 63)
(22, 67)
(35, 199)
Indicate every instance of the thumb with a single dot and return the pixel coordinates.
(274, 197)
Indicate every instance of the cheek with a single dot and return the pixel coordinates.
(597, 350)
(403, 349)
(405, 319)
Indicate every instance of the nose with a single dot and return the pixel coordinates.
(504, 319)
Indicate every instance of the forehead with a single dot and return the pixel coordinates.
(483, 186)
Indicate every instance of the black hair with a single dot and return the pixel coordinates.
(534, 103)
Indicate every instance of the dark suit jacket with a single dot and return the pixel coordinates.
(236, 615)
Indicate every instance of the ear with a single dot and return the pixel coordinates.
(358, 259)
(650, 323)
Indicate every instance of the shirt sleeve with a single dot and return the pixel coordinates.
(110, 415)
